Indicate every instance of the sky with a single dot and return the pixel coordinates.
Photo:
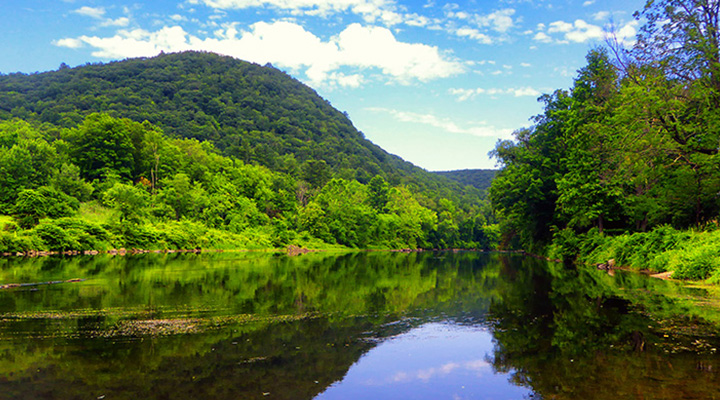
(435, 82)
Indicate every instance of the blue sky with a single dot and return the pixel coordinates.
(435, 82)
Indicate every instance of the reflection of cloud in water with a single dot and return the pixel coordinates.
(426, 374)
(437, 360)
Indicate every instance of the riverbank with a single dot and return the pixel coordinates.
(687, 254)
(74, 236)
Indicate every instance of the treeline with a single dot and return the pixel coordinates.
(630, 148)
(112, 182)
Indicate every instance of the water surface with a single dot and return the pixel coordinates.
(349, 326)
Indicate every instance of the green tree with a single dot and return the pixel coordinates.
(103, 143)
(590, 193)
(185, 197)
(130, 201)
(379, 193)
(68, 180)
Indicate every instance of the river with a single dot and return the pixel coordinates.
(367, 325)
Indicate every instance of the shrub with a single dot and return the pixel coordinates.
(56, 238)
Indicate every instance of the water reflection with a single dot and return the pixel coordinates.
(433, 361)
(359, 325)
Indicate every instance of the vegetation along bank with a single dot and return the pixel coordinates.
(625, 165)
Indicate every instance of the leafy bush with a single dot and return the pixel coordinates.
(698, 262)
(11, 242)
(56, 238)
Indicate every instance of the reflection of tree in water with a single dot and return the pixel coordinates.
(576, 334)
(357, 300)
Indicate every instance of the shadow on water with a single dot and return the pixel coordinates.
(383, 325)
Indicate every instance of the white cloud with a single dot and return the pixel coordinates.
(526, 91)
(563, 32)
(474, 34)
(560, 26)
(371, 10)
(577, 32)
(120, 22)
(467, 94)
(588, 3)
(484, 28)
(627, 34)
(477, 366)
(289, 45)
(601, 15)
(92, 12)
(69, 43)
(445, 124)
(500, 21)
(525, 65)
(542, 37)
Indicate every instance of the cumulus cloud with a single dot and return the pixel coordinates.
(467, 94)
(601, 15)
(627, 34)
(289, 45)
(500, 21)
(120, 22)
(474, 34)
(444, 124)
(542, 37)
(92, 12)
(69, 43)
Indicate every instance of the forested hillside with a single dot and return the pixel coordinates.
(197, 150)
(627, 157)
(477, 178)
(259, 115)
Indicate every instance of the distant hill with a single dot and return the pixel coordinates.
(257, 114)
(478, 178)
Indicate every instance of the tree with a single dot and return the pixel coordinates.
(680, 40)
(589, 192)
(68, 180)
(185, 197)
(316, 173)
(103, 143)
(379, 193)
(525, 191)
(130, 201)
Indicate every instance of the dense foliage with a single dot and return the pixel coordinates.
(112, 182)
(478, 178)
(259, 115)
(197, 150)
(631, 147)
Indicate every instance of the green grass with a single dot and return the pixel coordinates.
(96, 213)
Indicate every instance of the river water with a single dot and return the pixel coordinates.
(349, 326)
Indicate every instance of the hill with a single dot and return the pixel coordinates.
(194, 150)
(257, 114)
(478, 178)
